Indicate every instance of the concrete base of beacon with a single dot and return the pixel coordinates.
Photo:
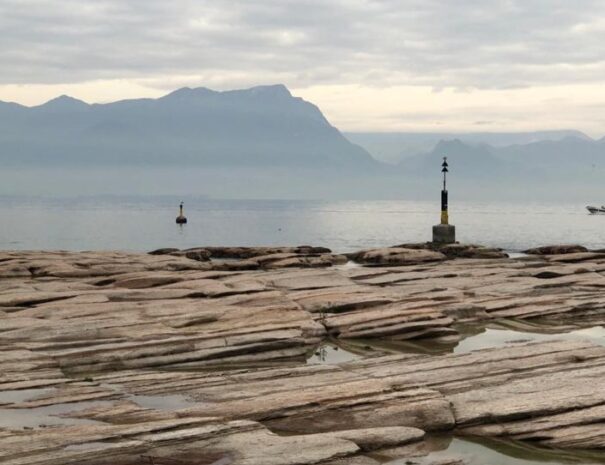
(444, 233)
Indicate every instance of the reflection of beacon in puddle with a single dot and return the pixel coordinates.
(329, 354)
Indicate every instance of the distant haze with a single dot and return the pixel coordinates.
(263, 142)
(393, 147)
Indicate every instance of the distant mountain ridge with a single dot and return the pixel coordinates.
(466, 160)
(393, 147)
(260, 126)
(569, 160)
(265, 143)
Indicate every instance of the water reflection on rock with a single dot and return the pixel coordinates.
(481, 337)
(491, 337)
(455, 451)
(330, 353)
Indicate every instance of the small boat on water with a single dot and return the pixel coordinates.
(596, 210)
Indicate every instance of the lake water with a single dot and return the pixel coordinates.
(145, 223)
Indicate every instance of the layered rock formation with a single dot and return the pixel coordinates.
(120, 358)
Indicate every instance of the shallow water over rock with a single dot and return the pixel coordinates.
(476, 338)
(163, 402)
(52, 415)
(10, 397)
(491, 337)
(330, 353)
(14, 414)
(466, 452)
(472, 338)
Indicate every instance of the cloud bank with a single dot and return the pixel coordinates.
(470, 46)
(439, 43)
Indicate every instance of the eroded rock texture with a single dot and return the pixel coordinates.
(120, 358)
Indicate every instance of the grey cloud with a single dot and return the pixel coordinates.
(439, 43)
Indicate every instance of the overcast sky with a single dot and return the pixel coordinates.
(479, 65)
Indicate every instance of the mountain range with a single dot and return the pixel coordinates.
(393, 147)
(265, 143)
(261, 126)
(570, 155)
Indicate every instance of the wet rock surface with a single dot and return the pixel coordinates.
(556, 249)
(396, 256)
(253, 258)
(458, 250)
(425, 252)
(109, 357)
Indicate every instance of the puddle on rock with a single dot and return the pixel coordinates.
(512, 254)
(329, 353)
(350, 264)
(167, 402)
(478, 337)
(51, 415)
(162, 402)
(490, 452)
(492, 337)
(23, 395)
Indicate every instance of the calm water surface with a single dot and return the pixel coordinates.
(144, 223)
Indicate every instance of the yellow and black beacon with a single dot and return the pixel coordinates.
(444, 215)
(444, 233)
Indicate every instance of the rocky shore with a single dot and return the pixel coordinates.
(198, 356)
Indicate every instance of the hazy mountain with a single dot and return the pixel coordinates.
(474, 169)
(259, 127)
(570, 168)
(560, 154)
(265, 143)
(393, 147)
(468, 160)
(563, 157)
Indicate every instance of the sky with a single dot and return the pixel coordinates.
(370, 65)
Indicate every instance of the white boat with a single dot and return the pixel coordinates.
(596, 210)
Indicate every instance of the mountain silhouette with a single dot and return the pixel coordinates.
(263, 126)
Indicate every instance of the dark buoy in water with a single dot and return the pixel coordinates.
(181, 219)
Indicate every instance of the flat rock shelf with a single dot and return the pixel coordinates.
(199, 357)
